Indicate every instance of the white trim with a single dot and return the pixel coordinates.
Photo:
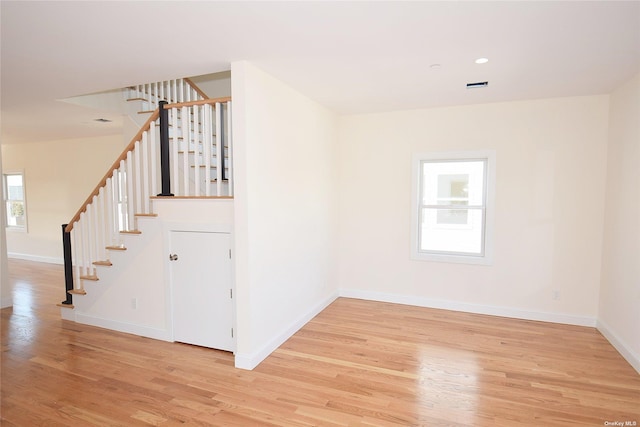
(6, 302)
(37, 258)
(624, 349)
(67, 313)
(542, 316)
(144, 331)
(251, 360)
(490, 190)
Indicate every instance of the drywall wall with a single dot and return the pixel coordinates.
(6, 292)
(284, 216)
(618, 315)
(59, 175)
(216, 85)
(549, 204)
(134, 295)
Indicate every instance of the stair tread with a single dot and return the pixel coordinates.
(92, 277)
(105, 263)
(77, 292)
(65, 305)
(116, 248)
(130, 232)
(149, 215)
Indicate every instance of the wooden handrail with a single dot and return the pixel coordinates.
(113, 167)
(130, 147)
(199, 102)
(195, 87)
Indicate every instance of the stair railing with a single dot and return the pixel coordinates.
(200, 165)
(172, 91)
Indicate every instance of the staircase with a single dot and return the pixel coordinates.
(182, 151)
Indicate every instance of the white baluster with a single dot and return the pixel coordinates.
(181, 90)
(130, 199)
(175, 91)
(109, 208)
(153, 161)
(85, 242)
(100, 225)
(219, 149)
(186, 137)
(174, 143)
(145, 172)
(229, 150)
(161, 91)
(137, 181)
(75, 251)
(196, 151)
(206, 146)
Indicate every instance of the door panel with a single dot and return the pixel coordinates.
(201, 286)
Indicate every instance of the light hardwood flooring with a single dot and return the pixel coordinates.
(358, 363)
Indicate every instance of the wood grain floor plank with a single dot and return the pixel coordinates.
(358, 363)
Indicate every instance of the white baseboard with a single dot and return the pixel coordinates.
(515, 313)
(37, 258)
(251, 360)
(6, 302)
(619, 344)
(129, 328)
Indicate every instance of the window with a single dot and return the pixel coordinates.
(15, 205)
(453, 207)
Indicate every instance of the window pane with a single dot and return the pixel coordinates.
(14, 187)
(15, 214)
(452, 230)
(453, 182)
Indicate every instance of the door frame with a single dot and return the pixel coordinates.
(168, 228)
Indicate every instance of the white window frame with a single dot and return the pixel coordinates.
(486, 258)
(18, 228)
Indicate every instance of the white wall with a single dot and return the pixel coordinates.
(216, 85)
(619, 313)
(143, 270)
(59, 175)
(6, 296)
(284, 215)
(549, 207)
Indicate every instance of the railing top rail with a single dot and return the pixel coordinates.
(113, 167)
(195, 87)
(199, 102)
(130, 147)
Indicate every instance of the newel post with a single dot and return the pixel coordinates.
(165, 172)
(68, 265)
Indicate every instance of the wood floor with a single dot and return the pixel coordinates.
(358, 363)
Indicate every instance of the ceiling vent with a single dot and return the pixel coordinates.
(477, 85)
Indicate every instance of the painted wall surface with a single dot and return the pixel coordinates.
(550, 178)
(284, 217)
(59, 175)
(216, 85)
(619, 314)
(6, 295)
(142, 272)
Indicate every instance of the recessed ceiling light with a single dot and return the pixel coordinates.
(482, 60)
(435, 66)
(101, 120)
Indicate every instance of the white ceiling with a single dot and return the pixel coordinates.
(353, 57)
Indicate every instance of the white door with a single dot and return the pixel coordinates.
(201, 288)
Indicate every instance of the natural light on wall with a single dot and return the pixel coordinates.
(450, 215)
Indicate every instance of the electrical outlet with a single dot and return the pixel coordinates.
(134, 303)
(556, 294)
